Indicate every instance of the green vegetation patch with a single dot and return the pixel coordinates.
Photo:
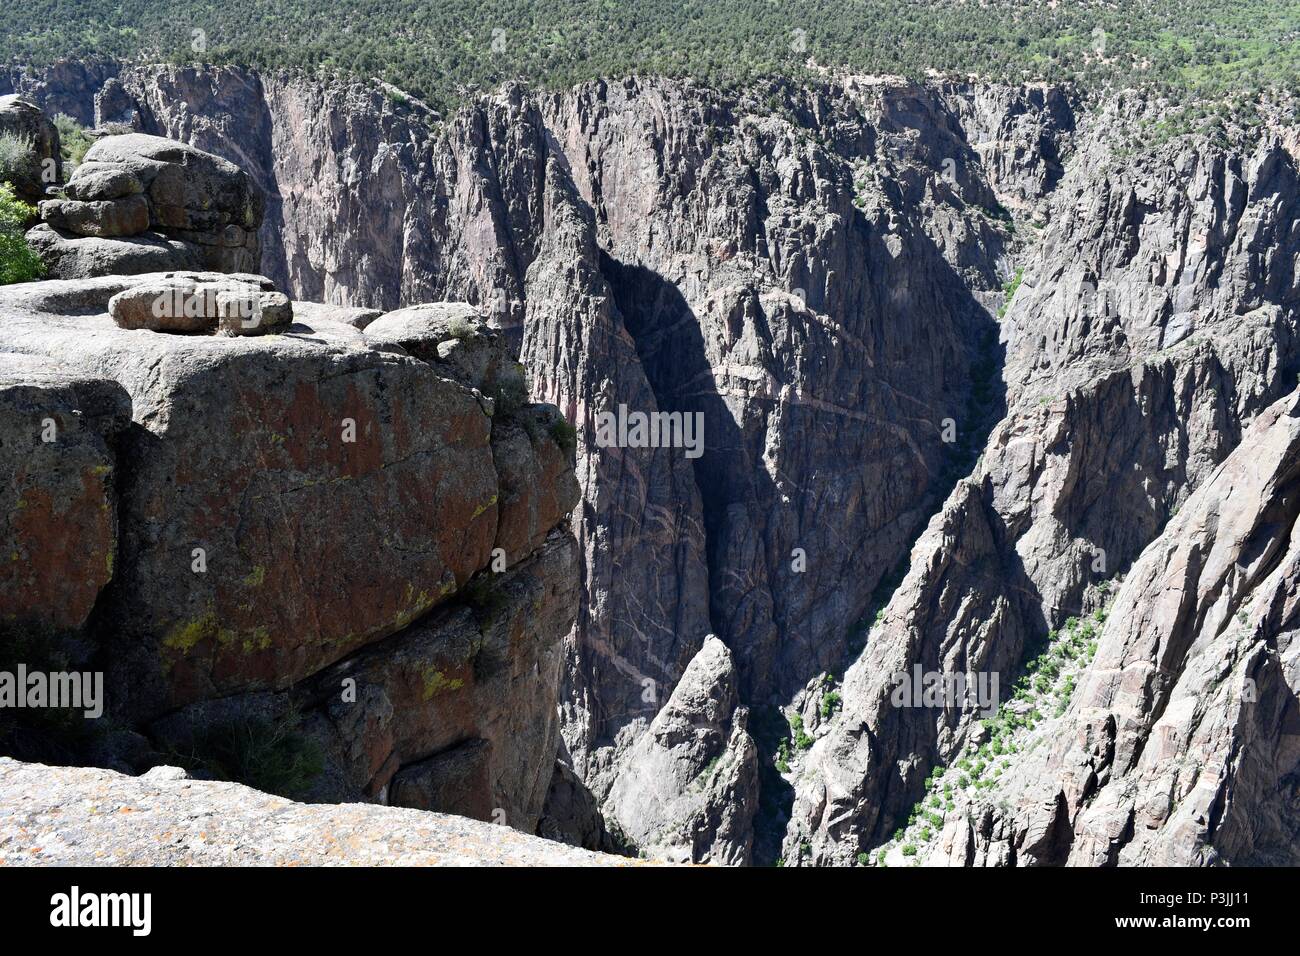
(437, 50)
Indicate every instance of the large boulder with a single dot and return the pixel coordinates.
(354, 316)
(291, 497)
(203, 302)
(314, 533)
(103, 182)
(456, 338)
(155, 192)
(44, 167)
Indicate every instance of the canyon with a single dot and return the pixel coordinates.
(971, 367)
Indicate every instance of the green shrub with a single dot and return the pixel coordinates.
(73, 141)
(830, 703)
(510, 394)
(782, 760)
(267, 754)
(801, 739)
(18, 261)
(1009, 290)
(565, 435)
(18, 159)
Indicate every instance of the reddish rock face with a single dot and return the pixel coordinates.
(298, 510)
(297, 505)
(58, 519)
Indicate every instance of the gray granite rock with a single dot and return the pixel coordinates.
(87, 817)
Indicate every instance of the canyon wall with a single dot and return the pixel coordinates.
(902, 465)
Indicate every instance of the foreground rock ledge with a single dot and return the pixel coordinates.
(88, 817)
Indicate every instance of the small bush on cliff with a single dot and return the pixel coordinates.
(510, 395)
(565, 435)
(73, 140)
(17, 158)
(461, 328)
(267, 754)
(18, 261)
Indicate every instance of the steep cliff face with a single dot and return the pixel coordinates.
(1155, 318)
(820, 275)
(1179, 746)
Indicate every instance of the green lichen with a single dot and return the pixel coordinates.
(184, 637)
(436, 682)
(416, 605)
(256, 577)
(258, 640)
(484, 507)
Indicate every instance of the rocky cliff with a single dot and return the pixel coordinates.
(314, 558)
(959, 353)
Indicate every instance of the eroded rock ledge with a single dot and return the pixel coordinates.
(89, 817)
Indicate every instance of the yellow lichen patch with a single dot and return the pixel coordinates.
(484, 507)
(256, 577)
(436, 682)
(259, 640)
(416, 604)
(184, 637)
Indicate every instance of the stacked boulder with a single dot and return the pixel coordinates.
(142, 204)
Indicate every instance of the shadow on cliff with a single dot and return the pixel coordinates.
(675, 359)
(732, 487)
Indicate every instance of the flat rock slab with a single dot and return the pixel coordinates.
(72, 816)
(106, 218)
(69, 256)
